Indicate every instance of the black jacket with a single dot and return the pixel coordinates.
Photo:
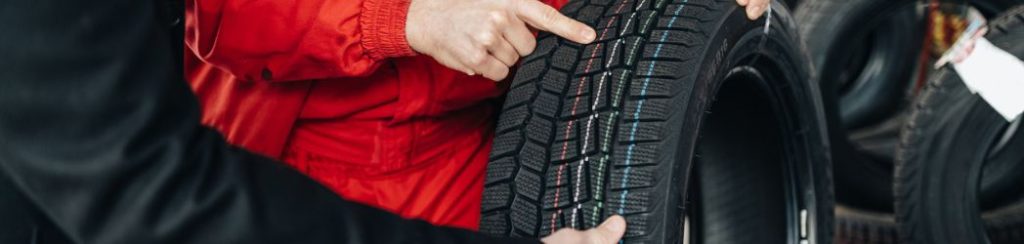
(100, 142)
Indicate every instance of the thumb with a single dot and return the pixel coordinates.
(546, 18)
(611, 230)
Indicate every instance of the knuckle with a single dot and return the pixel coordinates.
(550, 14)
(498, 18)
(487, 39)
(477, 59)
(517, 7)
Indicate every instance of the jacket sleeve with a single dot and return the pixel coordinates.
(100, 134)
(287, 40)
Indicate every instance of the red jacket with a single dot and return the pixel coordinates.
(332, 88)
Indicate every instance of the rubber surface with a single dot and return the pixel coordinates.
(945, 154)
(864, 132)
(1005, 225)
(792, 4)
(868, 102)
(857, 76)
(858, 226)
(615, 127)
(833, 30)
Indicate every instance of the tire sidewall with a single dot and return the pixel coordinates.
(810, 171)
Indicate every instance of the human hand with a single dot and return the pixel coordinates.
(608, 232)
(485, 37)
(755, 8)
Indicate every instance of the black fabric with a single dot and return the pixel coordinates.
(100, 142)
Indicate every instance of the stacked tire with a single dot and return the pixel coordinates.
(866, 53)
(683, 117)
(960, 164)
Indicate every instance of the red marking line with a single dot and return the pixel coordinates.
(575, 105)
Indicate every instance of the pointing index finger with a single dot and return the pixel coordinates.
(546, 18)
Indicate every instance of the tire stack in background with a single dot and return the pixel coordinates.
(960, 164)
(867, 58)
(864, 53)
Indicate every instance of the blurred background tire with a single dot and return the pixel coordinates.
(960, 165)
(863, 226)
(792, 4)
(866, 54)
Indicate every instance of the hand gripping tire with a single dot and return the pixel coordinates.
(959, 164)
(682, 114)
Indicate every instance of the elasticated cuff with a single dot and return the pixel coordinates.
(382, 23)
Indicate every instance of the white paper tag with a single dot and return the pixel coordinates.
(995, 75)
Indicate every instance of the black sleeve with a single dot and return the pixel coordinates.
(99, 132)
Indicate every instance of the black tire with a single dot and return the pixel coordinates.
(792, 4)
(957, 179)
(1005, 225)
(858, 226)
(867, 52)
(759, 151)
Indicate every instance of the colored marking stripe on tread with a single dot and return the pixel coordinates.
(608, 124)
(593, 108)
(639, 108)
(568, 127)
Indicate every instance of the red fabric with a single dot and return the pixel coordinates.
(332, 88)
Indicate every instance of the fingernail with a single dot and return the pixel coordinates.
(754, 12)
(614, 225)
(588, 34)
